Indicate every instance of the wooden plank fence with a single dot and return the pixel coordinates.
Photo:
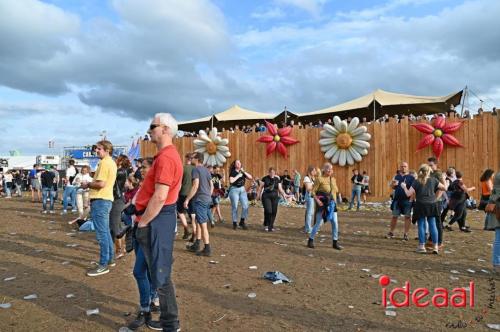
(391, 143)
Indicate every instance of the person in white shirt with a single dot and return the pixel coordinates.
(8, 184)
(82, 195)
(69, 189)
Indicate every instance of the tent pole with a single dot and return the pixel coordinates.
(464, 95)
(374, 115)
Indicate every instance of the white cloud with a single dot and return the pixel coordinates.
(311, 6)
(268, 14)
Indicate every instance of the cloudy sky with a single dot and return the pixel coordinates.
(70, 69)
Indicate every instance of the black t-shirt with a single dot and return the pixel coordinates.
(287, 182)
(271, 184)
(48, 179)
(358, 178)
(240, 182)
(426, 193)
(457, 193)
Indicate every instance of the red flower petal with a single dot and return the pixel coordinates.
(265, 139)
(437, 147)
(287, 140)
(281, 149)
(284, 131)
(450, 140)
(271, 128)
(270, 148)
(452, 127)
(439, 122)
(424, 128)
(425, 141)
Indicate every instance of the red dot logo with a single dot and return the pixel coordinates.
(384, 280)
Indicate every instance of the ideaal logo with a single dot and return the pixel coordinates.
(423, 297)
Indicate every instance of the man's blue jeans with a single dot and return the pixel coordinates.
(309, 212)
(496, 248)
(356, 193)
(69, 192)
(99, 213)
(48, 192)
(319, 219)
(236, 195)
(147, 291)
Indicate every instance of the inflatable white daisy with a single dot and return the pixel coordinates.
(213, 147)
(344, 143)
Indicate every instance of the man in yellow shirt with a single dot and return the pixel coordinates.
(101, 200)
(325, 192)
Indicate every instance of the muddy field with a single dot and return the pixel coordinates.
(331, 290)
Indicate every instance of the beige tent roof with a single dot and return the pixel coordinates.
(204, 119)
(238, 113)
(384, 98)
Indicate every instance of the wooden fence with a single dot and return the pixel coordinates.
(391, 143)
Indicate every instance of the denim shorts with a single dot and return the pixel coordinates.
(403, 208)
(215, 200)
(202, 210)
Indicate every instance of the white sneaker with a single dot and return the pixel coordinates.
(51, 212)
(44, 211)
(64, 212)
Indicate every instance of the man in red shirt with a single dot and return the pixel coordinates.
(156, 201)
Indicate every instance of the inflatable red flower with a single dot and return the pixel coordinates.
(278, 139)
(438, 135)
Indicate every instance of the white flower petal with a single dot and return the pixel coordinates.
(349, 158)
(222, 148)
(329, 154)
(330, 129)
(327, 141)
(358, 131)
(217, 140)
(342, 157)
(201, 149)
(364, 137)
(336, 155)
(361, 144)
(211, 160)
(213, 133)
(353, 124)
(336, 122)
(343, 126)
(202, 132)
(205, 158)
(355, 154)
(220, 159)
(200, 142)
(224, 141)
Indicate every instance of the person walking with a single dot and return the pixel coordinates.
(401, 204)
(48, 177)
(459, 193)
(486, 187)
(365, 190)
(237, 193)
(201, 194)
(493, 221)
(35, 184)
(325, 194)
(426, 209)
(8, 178)
(101, 200)
(218, 180)
(69, 192)
(187, 183)
(309, 199)
(156, 203)
(269, 191)
(357, 186)
(82, 195)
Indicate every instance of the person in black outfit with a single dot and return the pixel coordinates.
(286, 180)
(124, 168)
(459, 193)
(269, 191)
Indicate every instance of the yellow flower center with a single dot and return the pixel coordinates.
(211, 148)
(276, 138)
(344, 140)
(438, 133)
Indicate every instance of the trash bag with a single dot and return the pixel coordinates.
(88, 226)
(275, 276)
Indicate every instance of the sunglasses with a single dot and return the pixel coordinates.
(153, 126)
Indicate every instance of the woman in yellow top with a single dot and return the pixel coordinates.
(325, 192)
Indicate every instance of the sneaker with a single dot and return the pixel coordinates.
(112, 262)
(421, 250)
(45, 211)
(336, 245)
(98, 271)
(243, 226)
(205, 252)
(389, 235)
(235, 225)
(194, 247)
(266, 229)
(212, 224)
(405, 237)
(140, 320)
(154, 307)
(310, 243)
(465, 229)
(74, 211)
(154, 325)
(186, 235)
(64, 212)
(448, 228)
(51, 212)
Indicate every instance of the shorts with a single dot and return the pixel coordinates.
(180, 205)
(35, 184)
(404, 208)
(296, 189)
(202, 211)
(215, 200)
(365, 189)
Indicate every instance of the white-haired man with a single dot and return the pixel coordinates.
(156, 205)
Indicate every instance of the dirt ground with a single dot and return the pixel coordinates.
(330, 290)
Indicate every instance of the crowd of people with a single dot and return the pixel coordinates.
(136, 209)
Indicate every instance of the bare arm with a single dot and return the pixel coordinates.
(194, 189)
(155, 204)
